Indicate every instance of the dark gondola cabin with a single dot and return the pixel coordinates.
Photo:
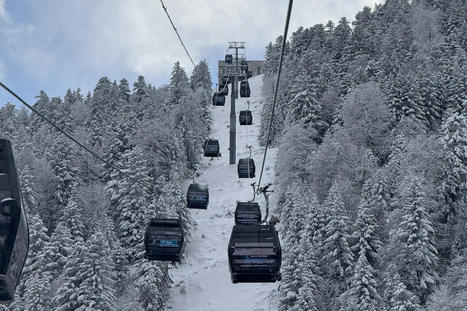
(223, 89)
(247, 213)
(164, 240)
(218, 99)
(255, 254)
(244, 65)
(14, 235)
(246, 168)
(244, 89)
(228, 58)
(197, 196)
(212, 148)
(245, 118)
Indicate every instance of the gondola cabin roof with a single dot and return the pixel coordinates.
(248, 235)
(165, 222)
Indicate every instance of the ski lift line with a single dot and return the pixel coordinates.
(284, 40)
(176, 31)
(43, 117)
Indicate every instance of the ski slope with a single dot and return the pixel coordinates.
(202, 282)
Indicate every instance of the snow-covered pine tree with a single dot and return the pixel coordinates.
(450, 296)
(32, 292)
(96, 290)
(405, 100)
(102, 107)
(41, 104)
(200, 77)
(28, 191)
(291, 278)
(153, 283)
(412, 246)
(293, 232)
(337, 259)
(397, 296)
(363, 290)
(305, 108)
(140, 99)
(309, 294)
(192, 129)
(66, 297)
(72, 218)
(179, 85)
(62, 161)
(130, 200)
(58, 250)
(294, 155)
(454, 185)
(64, 112)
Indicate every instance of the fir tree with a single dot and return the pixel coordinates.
(309, 295)
(338, 256)
(58, 250)
(454, 185)
(178, 86)
(67, 296)
(200, 77)
(398, 297)
(28, 191)
(131, 200)
(96, 290)
(153, 283)
(363, 290)
(33, 290)
(412, 245)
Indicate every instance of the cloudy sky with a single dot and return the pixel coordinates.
(55, 45)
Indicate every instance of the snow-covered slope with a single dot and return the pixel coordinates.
(203, 282)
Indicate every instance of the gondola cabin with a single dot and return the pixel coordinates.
(14, 234)
(212, 148)
(218, 99)
(247, 213)
(245, 117)
(246, 168)
(228, 58)
(244, 65)
(255, 254)
(244, 89)
(197, 196)
(223, 89)
(164, 240)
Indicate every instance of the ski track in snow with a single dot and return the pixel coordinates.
(202, 282)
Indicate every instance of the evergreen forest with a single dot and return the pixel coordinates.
(370, 177)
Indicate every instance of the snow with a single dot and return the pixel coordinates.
(203, 282)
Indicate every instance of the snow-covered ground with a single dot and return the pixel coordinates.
(203, 282)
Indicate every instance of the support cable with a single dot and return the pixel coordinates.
(176, 31)
(43, 117)
(284, 40)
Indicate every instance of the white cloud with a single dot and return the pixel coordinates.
(137, 34)
(3, 13)
(73, 43)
